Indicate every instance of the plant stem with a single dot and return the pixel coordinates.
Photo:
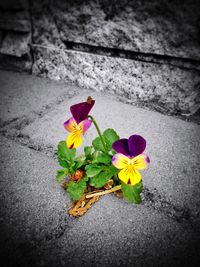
(98, 131)
(115, 188)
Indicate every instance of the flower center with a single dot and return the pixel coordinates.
(78, 128)
(132, 161)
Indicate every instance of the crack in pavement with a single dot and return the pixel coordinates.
(151, 198)
(12, 129)
(20, 122)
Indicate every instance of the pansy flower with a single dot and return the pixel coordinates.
(79, 123)
(130, 158)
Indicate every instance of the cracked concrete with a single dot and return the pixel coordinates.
(35, 229)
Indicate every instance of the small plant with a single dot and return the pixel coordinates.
(109, 164)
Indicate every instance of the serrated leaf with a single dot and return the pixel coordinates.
(103, 158)
(63, 163)
(110, 136)
(61, 174)
(92, 170)
(79, 164)
(65, 153)
(97, 144)
(132, 193)
(76, 189)
(103, 177)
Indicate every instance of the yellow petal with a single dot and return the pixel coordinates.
(74, 139)
(140, 162)
(130, 173)
(120, 161)
(70, 125)
(124, 176)
(135, 176)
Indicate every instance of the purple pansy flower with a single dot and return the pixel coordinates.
(130, 158)
(79, 123)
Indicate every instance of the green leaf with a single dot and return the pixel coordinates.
(132, 193)
(103, 177)
(88, 151)
(93, 169)
(79, 164)
(65, 153)
(76, 189)
(80, 158)
(103, 158)
(97, 144)
(110, 136)
(63, 163)
(79, 161)
(85, 178)
(61, 174)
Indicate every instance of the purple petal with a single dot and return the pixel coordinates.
(70, 125)
(85, 125)
(136, 145)
(80, 111)
(121, 146)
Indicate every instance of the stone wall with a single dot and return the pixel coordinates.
(146, 52)
(15, 35)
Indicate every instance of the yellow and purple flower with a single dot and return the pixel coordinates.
(130, 158)
(79, 123)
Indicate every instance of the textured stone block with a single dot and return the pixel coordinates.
(14, 4)
(18, 21)
(161, 86)
(19, 64)
(160, 27)
(16, 44)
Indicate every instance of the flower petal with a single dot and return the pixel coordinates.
(120, 161)
(85, 125)
(130, 175)
(70, 125)
(121, 146)
(136, 145)
(124, 176)
(80, 111)
(74, 139)
(135, 176)
(141, 162)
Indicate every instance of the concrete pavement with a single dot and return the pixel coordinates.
(35, 229)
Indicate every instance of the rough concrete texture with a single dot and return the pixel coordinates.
(36, 231)
(174, 168)
(166, 88)
(28, 97)
(161, 27)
